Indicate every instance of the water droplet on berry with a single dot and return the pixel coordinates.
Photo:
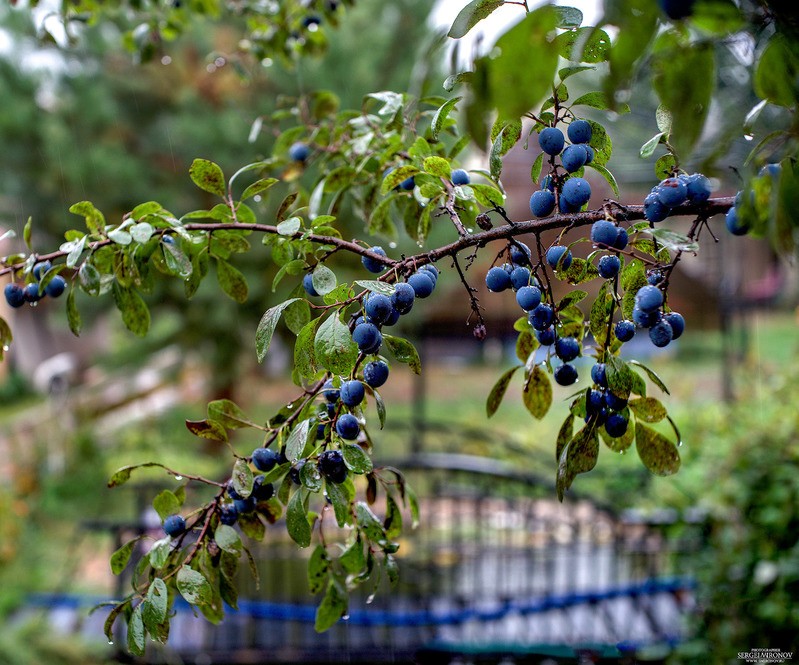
(346, 617)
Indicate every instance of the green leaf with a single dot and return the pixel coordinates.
(404, 352)
(352, 559)
(487, 195)
(324, 279)
(228, 414)
(318, 569)
(393, 522)
(437, 166)
(334, 348)
(136, 633)
(665, 166)
(535, 171)
(297, 440)
(176, 261)
(207, 429)
(356, 458)
(252, 526)
(395, 177)
(683, 74)
(232, 281)
(658, 454)
(376, 287)
(499, 390)
(648, 149)
(155, 610)
(579, 456)
(502, 83)
(304, 356)
(289, 226)
(310, 477)
(598, 100)
(777, 72)
(297, 518)
(159, 553)
(135, 313)
(441, 115)
(242, 478)
(121, 557)
(537, 393)
(257, 187)
(73, 316)
(451, 81)
(207, 176)
(369, 524)
(588, 44)
(619, 376)
(228, 539)
(381, 409)
(648, 409)
(341, 502)
(652, 376)
(677, 242)
(601, 311)
(471, 15)
(193, 586)
(166, 504)
(95, 220)
(564, 435)
(332, 607)
(566, 72)
(266, 327)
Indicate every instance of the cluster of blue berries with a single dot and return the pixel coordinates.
(735, 224)
(516, 275)
(674, 191)
(17, 295)
(603, 406)
(647, 313)
(607, 235)
(574, 192)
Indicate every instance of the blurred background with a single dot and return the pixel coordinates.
(718, 544)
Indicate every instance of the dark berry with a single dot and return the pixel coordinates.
(265, 459)
(677, 323)
(31, 292)
(551, 140)
(604, 232)
(661, 333)
(352, 393)
(331, 465)
(371, 264)
(576, 192)
(528, 297)
(330, 392)
(498, 279)
(616, 425)
(614, 402)
(307, 284)
(520, 277)
(174, 525)
(554, 255)
(599, 375)
(654, 210)
(609, 266)
(460, 177)
(366, 336)
(541, 317)
(245, 505)
(262, 491)
(299, 151)
(574, 158)
(228, 514)
(567, 348)
(542, 203)
(403, 297)
(422, 284)
(40, 269)
(545, 337)
(375, 373)
(648, 298)
(565, 375)
(378, 308)
(520, 254)
(15, 295)
(579, 131)
(625, 330)
(347, 426)
(672, 192)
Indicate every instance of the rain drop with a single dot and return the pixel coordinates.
(470, 230)
(370, 599)
(166, 60)
(178, 478)
(749, 137)
(290, 405)
(110, 641)
(5, 347)
(393, 245)
(346, 617)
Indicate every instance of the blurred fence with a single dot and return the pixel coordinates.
(497, 571)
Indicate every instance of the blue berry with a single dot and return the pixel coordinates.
(408, 184)
(599, 375)
(677, 323)
(648, 298)
(579, 131)
(645, 319)
(594, 401)
(40, 269)
(616, 425)
(772, 170)
(31, 292)
(174, 525)
(370, 264)
(654, 278)
(567, 208)
(330, 392)
(589, 152)
(460, 177)
(15, 295)
(614, 402)
(604, 232)
(520, 277)
(551, 140)
(609, 266)
(393, 317)
(520, 254)
(565, 375)
(545, 337)
(432, 271)
(244, 505)
(672, 192)
(548, 182)
(554, 255)
(375, 373)
(661, 333)
(265, 459)
(528, 297)
(261, 490)
(576, 192)
(542, 203)
(307, 284)
(378, 308)
(734, 224)
(366, 336)
(498, 279)
(541, 317)
(698, 188)
(331, 465)
(567, 348)
(622, 238)
(403, 297)
(352, 393)
(654, 210)
(625, 330)
(228, 515)
(347, 426)
(422, 284)
(574, 158)
(299, 151)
